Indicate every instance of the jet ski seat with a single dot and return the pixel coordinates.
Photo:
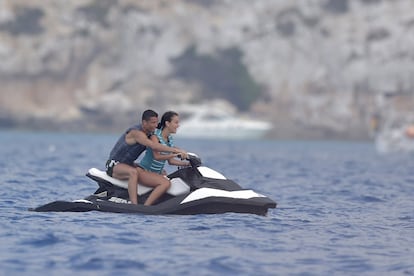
(178, 186)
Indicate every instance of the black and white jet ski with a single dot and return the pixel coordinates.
(194, 190)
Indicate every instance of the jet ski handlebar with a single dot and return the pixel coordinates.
(195, 161)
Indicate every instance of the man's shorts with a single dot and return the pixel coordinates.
(110, 164)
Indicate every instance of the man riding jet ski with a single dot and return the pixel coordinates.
(194, 190)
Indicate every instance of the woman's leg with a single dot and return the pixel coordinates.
(124, 171)
(160, 183)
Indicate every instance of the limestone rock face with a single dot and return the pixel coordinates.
(319, 64)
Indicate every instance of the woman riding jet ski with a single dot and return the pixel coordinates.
(194, 190)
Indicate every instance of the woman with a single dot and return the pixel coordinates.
(153, 160)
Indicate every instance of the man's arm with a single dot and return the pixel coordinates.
(157, 154)
(176, 162)
(141, 138)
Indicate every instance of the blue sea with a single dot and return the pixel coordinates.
(343, 209)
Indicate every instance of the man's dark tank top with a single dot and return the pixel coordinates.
(124, 153)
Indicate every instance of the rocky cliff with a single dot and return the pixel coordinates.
(315, 67)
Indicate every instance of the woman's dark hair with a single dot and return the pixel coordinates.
(167, 117)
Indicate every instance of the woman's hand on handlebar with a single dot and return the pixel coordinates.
(182, 154)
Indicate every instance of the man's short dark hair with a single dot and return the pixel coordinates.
(148, 114)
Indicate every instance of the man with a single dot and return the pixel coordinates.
(130, 145)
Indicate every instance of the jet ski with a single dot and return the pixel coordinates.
(196, 189)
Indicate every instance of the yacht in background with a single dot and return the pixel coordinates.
(395, 139)
(218, 120)
(394, 123)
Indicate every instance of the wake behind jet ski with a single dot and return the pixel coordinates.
(194, 190)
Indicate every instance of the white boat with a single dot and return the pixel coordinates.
(210, 121)
(394, 123)
(395, 140)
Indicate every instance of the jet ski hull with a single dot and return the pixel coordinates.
(65, 206)
(211, 205)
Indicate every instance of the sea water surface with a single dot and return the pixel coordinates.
(342, 209)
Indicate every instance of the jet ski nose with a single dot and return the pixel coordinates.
(195, 161)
